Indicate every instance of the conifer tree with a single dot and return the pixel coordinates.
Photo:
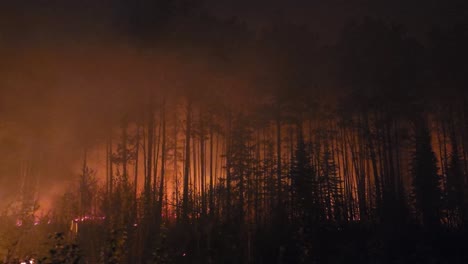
(426, 181)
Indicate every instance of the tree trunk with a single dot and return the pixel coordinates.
(185, 201)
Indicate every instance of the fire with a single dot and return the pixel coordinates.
(31, 261)
(89, 218)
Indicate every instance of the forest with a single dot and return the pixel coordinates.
(191, 138)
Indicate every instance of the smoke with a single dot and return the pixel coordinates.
(59, 96)
(72, 69)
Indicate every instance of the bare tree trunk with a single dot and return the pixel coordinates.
(202, 163)
(378, 194)
(124, 151)
(176, 175)
(82, 184)
(149, 156)
(228, 167)
(278, 165)
(111, 166)
(194, 178)
(135, 180)
(187, 162)
(211, 205)
(163, 163)
(155, 166)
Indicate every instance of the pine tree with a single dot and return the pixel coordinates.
(304, 182)
(331, 185)
(426, 181)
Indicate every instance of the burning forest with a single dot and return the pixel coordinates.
(215, 132)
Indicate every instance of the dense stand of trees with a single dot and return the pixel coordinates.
(336, 168)
(294, 173)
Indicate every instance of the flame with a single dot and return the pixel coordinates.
(89, 218)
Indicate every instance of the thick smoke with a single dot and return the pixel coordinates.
(60, 96)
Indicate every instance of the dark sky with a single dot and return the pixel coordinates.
(20, 18)
(327, 17)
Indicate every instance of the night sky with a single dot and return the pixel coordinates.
(23, 19)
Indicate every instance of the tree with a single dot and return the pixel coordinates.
(87, 190)
(304, 183)
(426, 181)
(185, 194)
(331, 185)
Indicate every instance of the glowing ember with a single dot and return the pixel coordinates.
(31, 261)
(88, 218)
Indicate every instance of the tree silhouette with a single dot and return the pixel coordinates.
(426, 181)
